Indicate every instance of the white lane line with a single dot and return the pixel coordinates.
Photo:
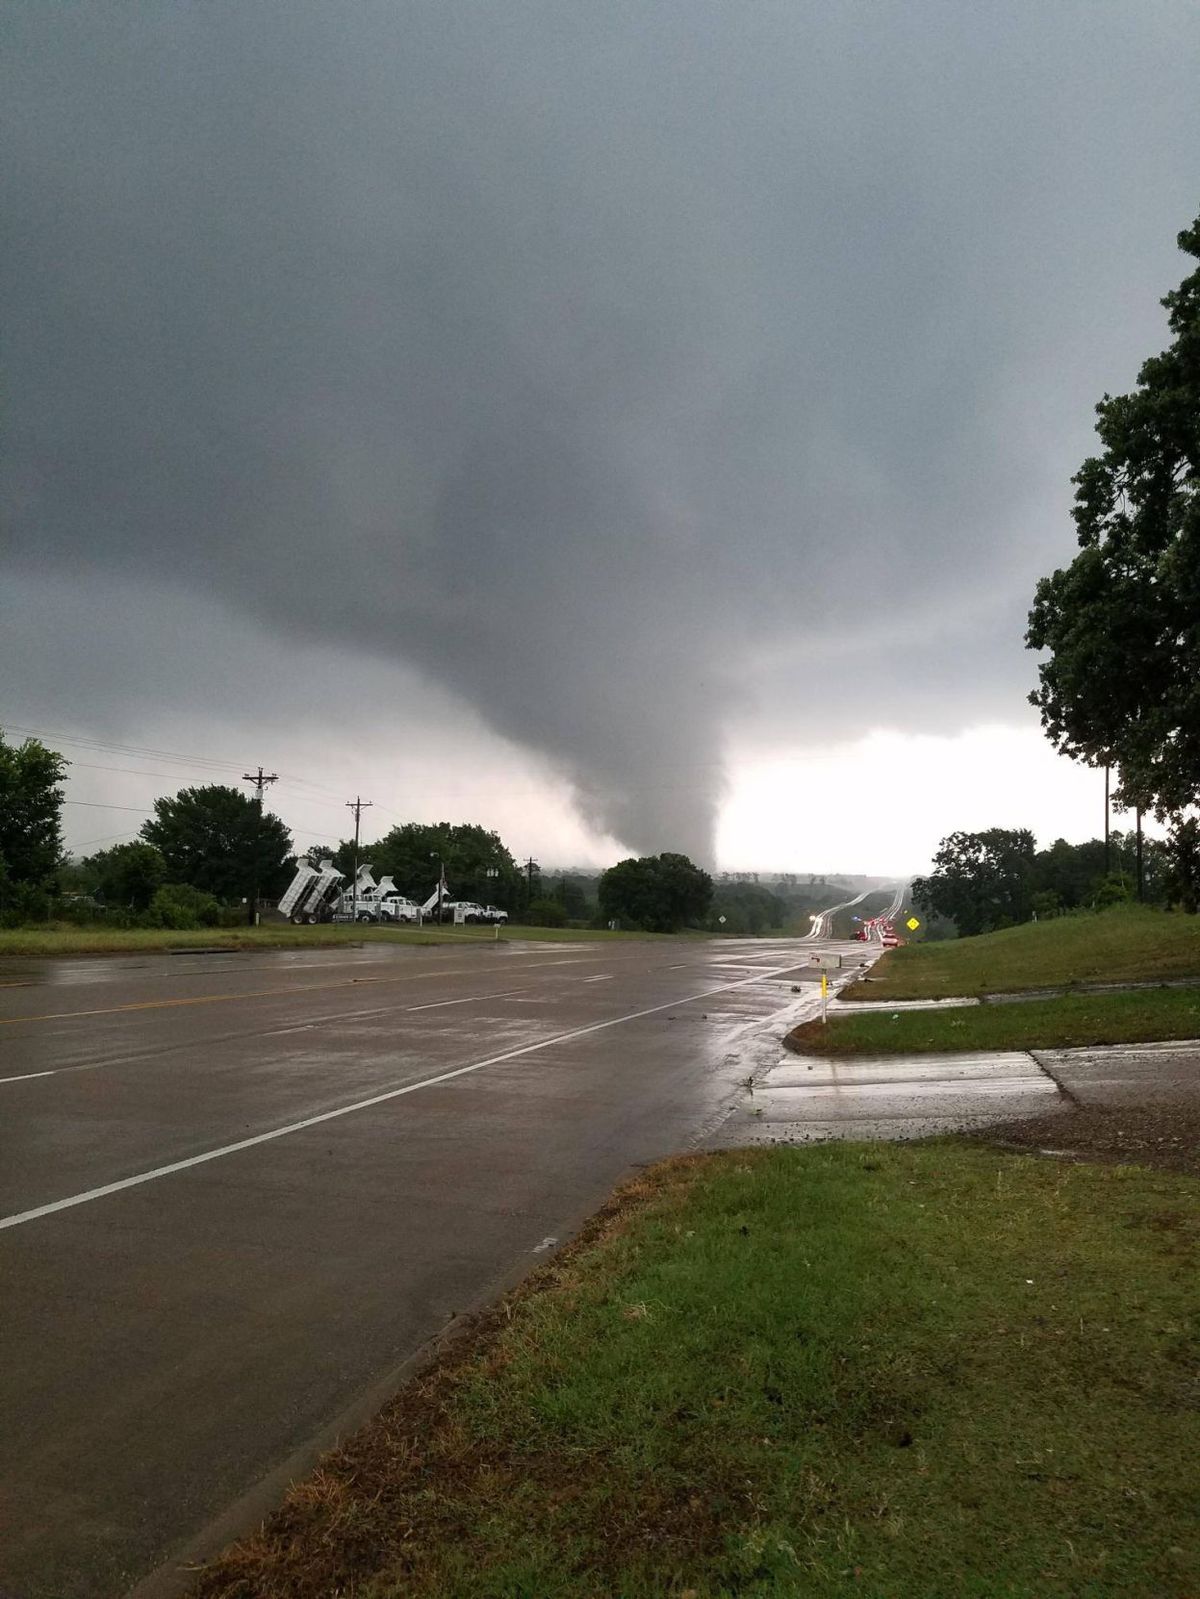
(471, 999)
(268, 993)
(337, 1018)
(604, 977)
(28, 1076)
(102, 1192)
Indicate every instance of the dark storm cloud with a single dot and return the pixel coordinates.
(595, 357)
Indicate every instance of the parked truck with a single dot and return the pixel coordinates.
(320, 894)
(310, 895)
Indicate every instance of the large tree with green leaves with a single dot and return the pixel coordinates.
(1121, 685)
(214, 839)
(1182, 852)
(31, 801)
(410, 854)
(981, 881)
(660, 893)
(1087, 874)
(127, 875)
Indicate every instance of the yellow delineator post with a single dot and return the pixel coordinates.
(824, 996)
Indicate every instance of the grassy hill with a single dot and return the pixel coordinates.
(1129, 943)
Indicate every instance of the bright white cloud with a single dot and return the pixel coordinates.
(882, 803)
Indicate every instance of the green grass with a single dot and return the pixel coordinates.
(104, 941)
(874, 1370)
(1063, 1023)
(1128, 943)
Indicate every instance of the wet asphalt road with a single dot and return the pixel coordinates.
(237, 1191)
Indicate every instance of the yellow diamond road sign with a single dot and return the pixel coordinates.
(912, 924)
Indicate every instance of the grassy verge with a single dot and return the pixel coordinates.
(1128, 943)
(874, 1370)
(102, 941)
(1072, 1019)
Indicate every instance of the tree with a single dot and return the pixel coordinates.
(1069, 872)
(1045, 905)
(546, 913)
(982, 881)
(127, 875)
(213, 839)
(747, 908)
(572, 895)
(31, 800)
(1121, 686)
(1183, 865)
(1088, 874)
(659, 893)
(466, 850)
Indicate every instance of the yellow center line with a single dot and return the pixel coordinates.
(213, 999)
(258, 993)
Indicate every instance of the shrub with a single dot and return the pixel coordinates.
(1112, 891)
(547, 913)
(179, 906)
(23, 903)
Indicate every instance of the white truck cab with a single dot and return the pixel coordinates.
(397, 907)
(462, 910)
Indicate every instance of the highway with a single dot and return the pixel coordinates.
(238, 1192)
(822, 925)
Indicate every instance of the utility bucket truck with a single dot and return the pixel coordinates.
(357, 902)
(438, 899)
(393, 905)
(369, 901)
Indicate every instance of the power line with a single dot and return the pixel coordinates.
(105, 838)
(143, 752)
(140, 750)
(96, 805)
(132, 771)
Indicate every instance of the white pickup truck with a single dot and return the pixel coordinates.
(375, 902)
(397, 907)
(462, 910)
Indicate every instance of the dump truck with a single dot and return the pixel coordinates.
(320, 894)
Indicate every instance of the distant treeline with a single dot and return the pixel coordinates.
(211, 855)
(997, 878)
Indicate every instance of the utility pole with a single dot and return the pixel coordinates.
(441, 882)
(1107, 815)
(358, 806)
(260, 779)
(531, 866)
(1140, 879)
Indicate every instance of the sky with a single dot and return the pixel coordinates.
(631, 426)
